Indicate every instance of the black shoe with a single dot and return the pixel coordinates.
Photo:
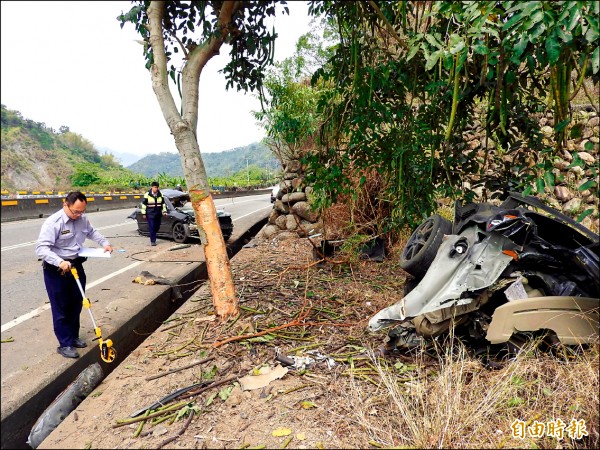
(79, 343)
(153, 244)
(68, 352)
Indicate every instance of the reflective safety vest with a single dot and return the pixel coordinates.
(153, 206)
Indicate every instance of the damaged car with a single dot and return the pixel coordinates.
(179, 224)
(497, 274)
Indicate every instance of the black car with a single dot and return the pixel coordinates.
(179, 223)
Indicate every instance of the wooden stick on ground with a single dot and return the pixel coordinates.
(154, 377)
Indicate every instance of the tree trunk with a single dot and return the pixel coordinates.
(183, 128)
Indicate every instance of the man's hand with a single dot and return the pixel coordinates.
(108, 248)
(64, 266)
(143, 216)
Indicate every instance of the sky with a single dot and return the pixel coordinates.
(70, 63)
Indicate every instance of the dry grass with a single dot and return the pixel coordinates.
(460, 404)
(420, 400)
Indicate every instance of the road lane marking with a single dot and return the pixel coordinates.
(35, 312)
(7, 326)
(241, 217)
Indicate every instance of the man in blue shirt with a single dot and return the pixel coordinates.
(58, 245)
(153, 208)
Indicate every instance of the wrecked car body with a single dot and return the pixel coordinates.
(497, 271)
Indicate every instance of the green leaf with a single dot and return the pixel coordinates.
(412, 52)
(574, 20)
(480, 48)
(589, 145)
(587, 185)
(584, 214)
(596, 61)
(225, 392)
(558, 128)
(521, 45)
(432, 41)
(538, 30)
(210, 399)
(265, 338)
(591, 35)
(549, 179)
(539, 184)
(535, 18)
(553, 48)
(433, 59)
(513, 20)
(565, 36)
(457, 47)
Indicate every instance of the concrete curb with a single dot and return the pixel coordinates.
(19, 414)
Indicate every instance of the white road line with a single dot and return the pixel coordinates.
(35, 312)
(241, 217)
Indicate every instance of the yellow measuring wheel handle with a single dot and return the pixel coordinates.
(74, 272)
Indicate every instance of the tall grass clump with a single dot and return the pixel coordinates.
(454, 401)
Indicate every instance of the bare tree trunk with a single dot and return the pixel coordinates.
(183, 127)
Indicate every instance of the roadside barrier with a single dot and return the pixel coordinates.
(42, 205)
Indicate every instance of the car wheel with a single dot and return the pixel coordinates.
(181, 232)
(226, 236)
(423, 244)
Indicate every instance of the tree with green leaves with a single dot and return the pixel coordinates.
(410, 76)
(199, 30)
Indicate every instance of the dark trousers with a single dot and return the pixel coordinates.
(153, 226)
(66, 302)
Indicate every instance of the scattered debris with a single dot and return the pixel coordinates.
(264, 378)
(179, 247)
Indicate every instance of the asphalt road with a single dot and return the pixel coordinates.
(22, 289)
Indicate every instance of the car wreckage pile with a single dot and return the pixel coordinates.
(495, 275)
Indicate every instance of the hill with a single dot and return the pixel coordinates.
(36, 157)
(221, 164)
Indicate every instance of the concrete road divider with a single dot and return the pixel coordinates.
(35, 207)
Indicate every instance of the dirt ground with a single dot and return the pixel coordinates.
(320, 308)
(342, 397)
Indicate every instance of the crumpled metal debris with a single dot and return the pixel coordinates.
(306, 361)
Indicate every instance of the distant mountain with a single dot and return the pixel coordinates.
(221, 164)
(37, 157)
(125, 159)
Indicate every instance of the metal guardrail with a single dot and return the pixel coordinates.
(33, 206)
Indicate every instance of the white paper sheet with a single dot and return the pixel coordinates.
(93, 252)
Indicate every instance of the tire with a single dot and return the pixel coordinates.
(226, 236)
(423, 244)
(181, 232)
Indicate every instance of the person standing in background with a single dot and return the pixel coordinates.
(58, 245)
(153, 208)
